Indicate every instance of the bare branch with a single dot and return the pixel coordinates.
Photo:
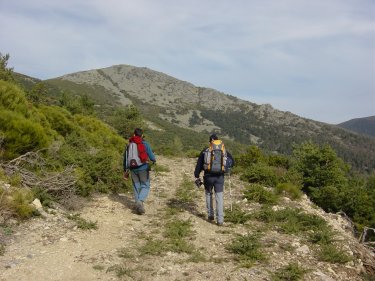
(59, 184)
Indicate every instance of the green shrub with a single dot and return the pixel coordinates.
(82, 223)
(178, 229)
(6, 73)
(175, 232)
(15, 180)
(247, 249)
(358, 202)
(124, 120)
(21, 199)
(60, 119)
(121, 270)
(278, 160)
(13, 99)
(252, 155)
(21, 135)
(98, 134)
(236, 215)
(155, 247)
(289, 189)
(292, 176)
(45, 198)
(320, 166)
(260, 173)
(180, 246)
(323, 236)
(291, 272)
(332, 254)
(291, 221)
(296, 221)
(260, 194)
(99, 163)
(328, 198)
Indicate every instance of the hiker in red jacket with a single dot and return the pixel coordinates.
(137, 155)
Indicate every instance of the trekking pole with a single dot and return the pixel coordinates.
(230, 193)
(156, 187)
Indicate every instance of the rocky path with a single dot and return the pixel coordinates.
(53, 248)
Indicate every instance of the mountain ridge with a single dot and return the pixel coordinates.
(363, 125)
(163, 97)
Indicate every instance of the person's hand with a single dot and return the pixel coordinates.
(126, 175)
(198, 182)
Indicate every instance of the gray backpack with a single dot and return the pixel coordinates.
(215, 158)
(132, 157)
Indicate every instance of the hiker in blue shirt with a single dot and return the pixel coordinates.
(137, 155)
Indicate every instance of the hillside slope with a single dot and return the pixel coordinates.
(365, 126)
(130, 247)
(162, 97)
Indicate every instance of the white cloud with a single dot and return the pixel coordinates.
(296, 55)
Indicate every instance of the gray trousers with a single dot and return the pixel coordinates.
(216, 183)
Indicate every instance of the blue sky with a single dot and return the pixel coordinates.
(313, 58)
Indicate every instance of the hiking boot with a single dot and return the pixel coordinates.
(211, 219)
(220, 224)
(140, 208)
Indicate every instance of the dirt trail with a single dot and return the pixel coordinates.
(54, 249)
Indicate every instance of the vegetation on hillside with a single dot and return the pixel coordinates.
(244, 122)
(315, 170)
(41, 142)
(64, 128)
(355, 149)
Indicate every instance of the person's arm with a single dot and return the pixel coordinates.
(124, 163)
(124, 159)
(199, 165)
(150, 154)
(231, 157)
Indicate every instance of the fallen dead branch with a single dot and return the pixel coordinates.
(364, 250)
(59, 184)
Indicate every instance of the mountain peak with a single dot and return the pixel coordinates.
(163, 97)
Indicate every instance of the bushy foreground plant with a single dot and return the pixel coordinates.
(260, 194)
(320, 166)
(90, 146)
(333, 254)
(176, 233)
(327, 182)
(291, 272)
(23, 127)
(83, 223)
(124, 120)
(260, 173)
(16, 202)
(291, 221)
(247, 248)
(289, 189)
(317, 171)
(236, 215)
(6, 73)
